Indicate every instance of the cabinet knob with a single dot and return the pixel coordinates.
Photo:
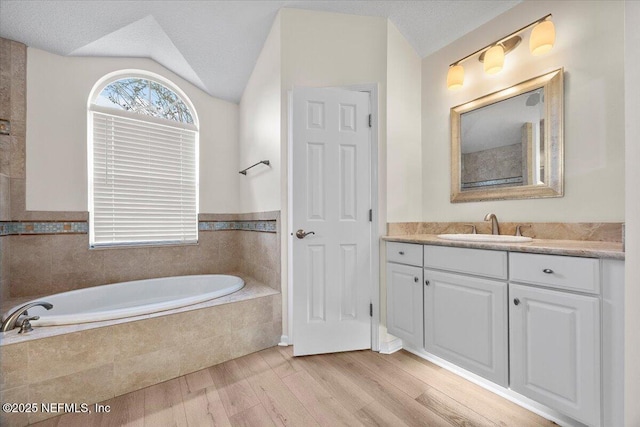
(547, 270)
(426, 283)
(516, 301)
(415, 279)
(401, 252)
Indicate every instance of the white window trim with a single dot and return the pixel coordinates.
(91, 108)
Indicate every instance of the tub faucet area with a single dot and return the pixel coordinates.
(13, 318)
(495, 229)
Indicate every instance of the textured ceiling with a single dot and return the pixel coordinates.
(214, 44)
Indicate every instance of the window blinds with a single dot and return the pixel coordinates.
(144, 182)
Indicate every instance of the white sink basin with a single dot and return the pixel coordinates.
(485, 238)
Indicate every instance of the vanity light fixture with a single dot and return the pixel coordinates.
(541, 41)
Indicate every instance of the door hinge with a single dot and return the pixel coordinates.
(370, 120)
(370, 215)
(370, 309)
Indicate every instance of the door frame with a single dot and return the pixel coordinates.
(372, 90)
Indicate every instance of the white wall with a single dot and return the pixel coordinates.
(404, 143)
(308, 48)
(589, 45)
(632, 212)
(260, 133)
(57, 92)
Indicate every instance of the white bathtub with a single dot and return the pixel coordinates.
(135, 298)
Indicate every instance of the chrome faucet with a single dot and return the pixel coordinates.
(494, 223)
(12, 319)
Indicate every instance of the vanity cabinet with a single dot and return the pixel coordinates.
(555, 350)
(465, 309)
(547, 327)
(404, 292)
(554, 318)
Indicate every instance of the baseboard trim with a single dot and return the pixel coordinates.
(520, 400)
(388, 347)
(284, 341)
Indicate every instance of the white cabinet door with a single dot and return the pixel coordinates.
(404, 303)
(465, 322)
(555, 350)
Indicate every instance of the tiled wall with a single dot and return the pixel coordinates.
(494, 163)
(13, 58)
(259, 252)
(4, 267)
(49, 263)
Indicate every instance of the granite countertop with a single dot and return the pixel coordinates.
(581, 248)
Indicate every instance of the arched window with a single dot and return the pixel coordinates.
(143, 162)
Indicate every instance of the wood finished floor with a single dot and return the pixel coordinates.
(271, 388)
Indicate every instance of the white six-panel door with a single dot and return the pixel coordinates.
(331, 198)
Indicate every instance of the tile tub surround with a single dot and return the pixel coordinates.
(257, 225)
(13, 57)
(252, 289)
(4, 268)
(259, 250)
(591, 231)
(94, 364)
(14, 228)
(51, 263)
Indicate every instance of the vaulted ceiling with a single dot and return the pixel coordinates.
(215, 44)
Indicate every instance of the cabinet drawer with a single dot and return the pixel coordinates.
(471, 261)
(404, 253)
(565, 272)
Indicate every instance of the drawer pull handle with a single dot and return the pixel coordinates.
(426, 283)
(516, 301)
(401, 252)
(415, 279)
(547, 270)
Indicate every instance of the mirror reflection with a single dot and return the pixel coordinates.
(509, 144)
(502, 144)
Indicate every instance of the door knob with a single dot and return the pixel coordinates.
(516, 301)
(300, 234)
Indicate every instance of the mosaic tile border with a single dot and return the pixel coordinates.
(264, 226)
(15, 228)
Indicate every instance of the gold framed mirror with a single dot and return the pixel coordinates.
(509, 144)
